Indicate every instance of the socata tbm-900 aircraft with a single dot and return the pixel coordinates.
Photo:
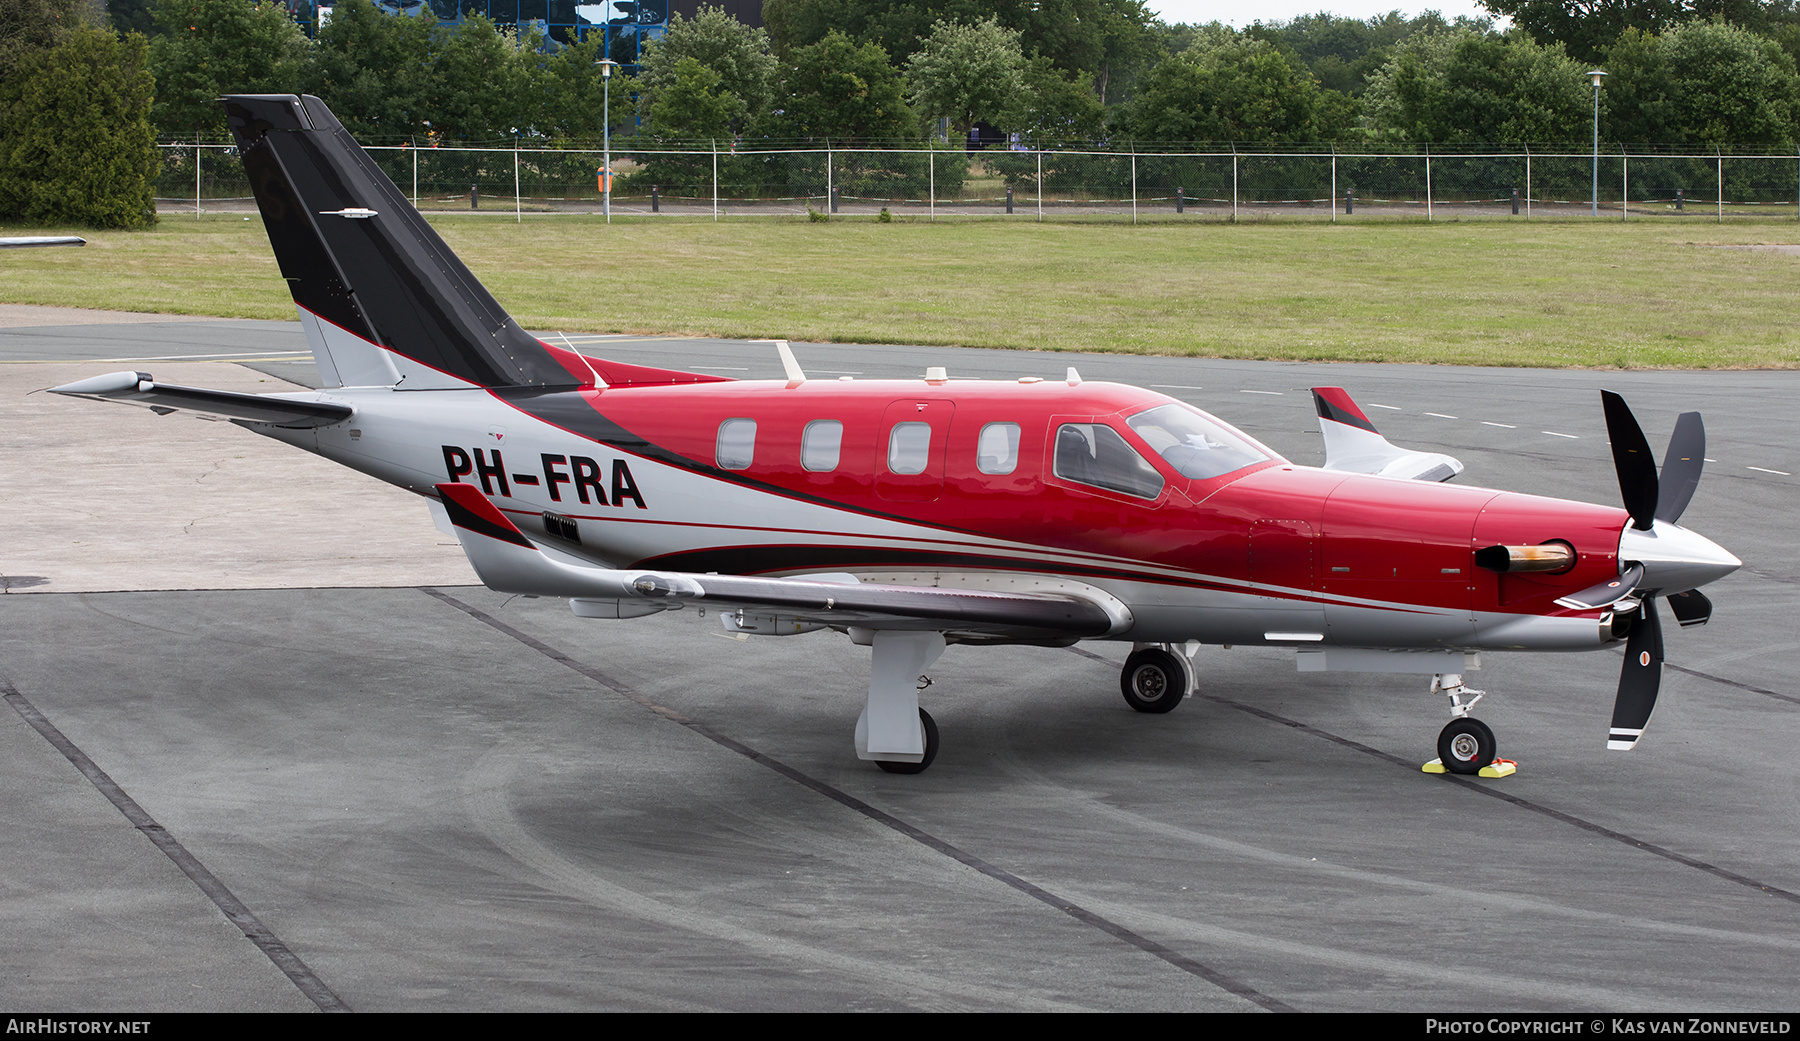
(910, 514)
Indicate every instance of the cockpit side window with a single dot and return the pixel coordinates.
(1094, 454)
(1195, 444)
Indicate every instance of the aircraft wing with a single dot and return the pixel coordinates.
(1352, 444)
(137, 388)
(508, 561)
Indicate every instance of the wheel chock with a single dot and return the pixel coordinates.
(1497, 768)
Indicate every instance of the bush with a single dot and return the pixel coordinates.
(76, 144)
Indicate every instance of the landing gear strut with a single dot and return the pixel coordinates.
(929, 735)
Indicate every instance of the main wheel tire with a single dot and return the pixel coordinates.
(927, 728)
(1465, 746)
(1153, 680)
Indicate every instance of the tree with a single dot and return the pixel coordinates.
(377, 72)
(484, 80)
(77, 145)
(28, 27)
(838, 90)
(968, 74)
(1587, 28)
(738, 54)
(1463, 86)
(1232, 88)
(1702, 83)
(213, 47)
(695, 107)
(1057, 109)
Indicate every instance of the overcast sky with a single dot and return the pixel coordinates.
(1238, 13)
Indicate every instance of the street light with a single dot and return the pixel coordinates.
(1596, 75)
(606, 69)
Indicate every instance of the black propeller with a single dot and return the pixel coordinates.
(1640, 679)
(1649, 498)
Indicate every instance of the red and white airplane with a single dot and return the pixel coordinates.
(910, 514)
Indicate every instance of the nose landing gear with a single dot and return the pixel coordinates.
(1466, 745)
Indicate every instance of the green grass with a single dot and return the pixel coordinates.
(1491, 292)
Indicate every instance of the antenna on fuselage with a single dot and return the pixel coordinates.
(1074, 377)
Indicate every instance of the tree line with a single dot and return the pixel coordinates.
(80, 103)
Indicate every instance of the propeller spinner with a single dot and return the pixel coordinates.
(1657, 557)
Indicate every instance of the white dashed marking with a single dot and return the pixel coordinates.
(1552, 433)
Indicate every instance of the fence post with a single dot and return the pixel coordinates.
(1009, 201)
(415, 152)
(1428, 184)
(196, 175)
(715, 158)
(1528, 182)
(1720, 159)
(1234, 190)
(931, 164)
(1040, 161)
(1624, 186)
(1334, 182)
(1134, 187)
(830, 192)
(518, 209)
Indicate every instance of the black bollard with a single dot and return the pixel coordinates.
(1009, 200)
(1178, 201)
(834, 200)
(1515, 202)
(1349, 201)
(474, 199)
(655, 200)
(1678, 200)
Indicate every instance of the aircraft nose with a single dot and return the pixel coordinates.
(1674, 558)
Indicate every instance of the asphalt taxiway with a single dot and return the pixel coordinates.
(268, 748)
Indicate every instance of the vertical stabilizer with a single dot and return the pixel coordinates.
(384, 300)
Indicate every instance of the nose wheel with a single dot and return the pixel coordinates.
(1466, 745)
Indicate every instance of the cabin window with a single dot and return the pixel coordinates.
(820, 445)
(1095, 454)
(909, 448)
(1195, 444)
(737, 444)
(997, 451)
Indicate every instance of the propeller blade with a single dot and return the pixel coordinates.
(1681, 467)
(1632, 459)
(1639, 681)
(1691, 608)
(1606, 593)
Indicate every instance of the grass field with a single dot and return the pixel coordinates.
(1650, 294)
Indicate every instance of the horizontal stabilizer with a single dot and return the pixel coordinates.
(1352, 444)
(139, 389)
(509, 562)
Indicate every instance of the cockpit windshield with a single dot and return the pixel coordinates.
(1194, 443)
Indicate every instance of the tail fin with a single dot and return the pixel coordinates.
(383, 299)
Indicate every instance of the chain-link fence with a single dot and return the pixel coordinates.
(714, 180)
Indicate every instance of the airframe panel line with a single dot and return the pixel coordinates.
(1075, 911)
(228, 904)
(1524, 804)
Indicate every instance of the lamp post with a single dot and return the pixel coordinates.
(1596, 75)
(606, 70)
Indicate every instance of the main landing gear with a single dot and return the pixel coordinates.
(1156, 678)
(1466, 745)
